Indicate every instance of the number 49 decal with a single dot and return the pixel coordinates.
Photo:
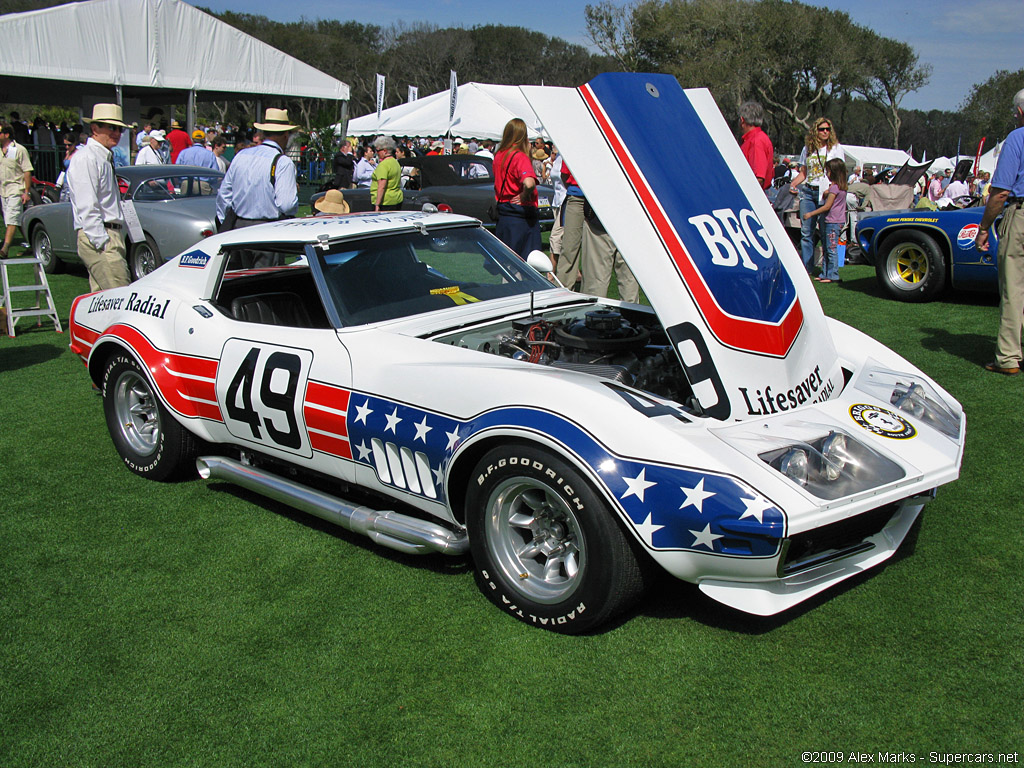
(261, 388)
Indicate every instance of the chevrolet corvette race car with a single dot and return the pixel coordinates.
(918, 253)
(729, 433)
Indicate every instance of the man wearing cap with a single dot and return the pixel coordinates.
(150, 153)
(96, 201)
(261, 184)
(1006, 196)
(15, 182)
(178, 140)
(198, 154)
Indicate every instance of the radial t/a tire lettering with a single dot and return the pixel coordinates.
(545, 545)
(148, 439)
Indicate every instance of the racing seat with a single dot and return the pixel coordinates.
(280, 308)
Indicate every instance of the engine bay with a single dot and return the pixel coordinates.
(621, 344)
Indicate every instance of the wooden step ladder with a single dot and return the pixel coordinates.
(41, 288)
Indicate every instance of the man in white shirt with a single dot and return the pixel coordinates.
(150, 154)
(96, 201)
(363, 172)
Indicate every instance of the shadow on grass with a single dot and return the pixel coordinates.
(973, 347)
(434, 562)
(13, 358)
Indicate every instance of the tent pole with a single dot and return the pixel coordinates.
(343, 118)
(190, 111)
(117, 95)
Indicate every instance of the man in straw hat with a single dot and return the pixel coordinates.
(261, 184)
(96, 201)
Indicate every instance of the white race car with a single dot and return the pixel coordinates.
(729, 433)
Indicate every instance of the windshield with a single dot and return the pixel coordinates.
(176, 188)
(403, 274)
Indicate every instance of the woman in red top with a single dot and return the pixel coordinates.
(515, 189)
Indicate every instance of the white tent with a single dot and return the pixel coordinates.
(876, 157)
(157, 51)
(481, 113)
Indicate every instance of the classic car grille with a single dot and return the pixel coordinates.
(831, 542)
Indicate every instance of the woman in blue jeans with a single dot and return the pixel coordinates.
(820, 146)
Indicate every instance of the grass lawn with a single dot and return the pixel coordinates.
(194, 624)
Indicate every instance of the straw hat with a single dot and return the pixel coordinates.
(275, 121)
(108, 113)
(332, 202)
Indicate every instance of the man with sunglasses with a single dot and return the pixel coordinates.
(96, 201)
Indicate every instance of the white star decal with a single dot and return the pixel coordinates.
(453, 439)
(637, 485)
(364, 451)
(421, 430)
(696, 496)
(705, 537)
(646, 530)
(438, 475)
(362, 411)
(755, 508)
(392, 421)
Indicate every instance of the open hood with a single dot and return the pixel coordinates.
(666, 177)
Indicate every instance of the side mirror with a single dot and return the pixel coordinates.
(539, 261)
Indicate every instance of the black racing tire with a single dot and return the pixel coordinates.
(144, 258)
(43, 250)
(911, 266)
(148, 439)
(546, 548)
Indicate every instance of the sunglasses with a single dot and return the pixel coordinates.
(117, 128)
(825, 128)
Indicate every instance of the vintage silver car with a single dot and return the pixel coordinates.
(175, 205)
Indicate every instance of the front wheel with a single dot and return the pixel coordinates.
(912, 266)
(145, 258)
(545, 545)
(148, 439)
(42, 250)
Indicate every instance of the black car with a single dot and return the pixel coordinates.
(454, 183)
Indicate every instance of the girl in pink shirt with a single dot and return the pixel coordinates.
(834, 208)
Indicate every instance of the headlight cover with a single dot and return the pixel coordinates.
(913, 395)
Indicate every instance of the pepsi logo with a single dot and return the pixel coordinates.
(965, 237)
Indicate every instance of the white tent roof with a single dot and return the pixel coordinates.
(144, 46)
(481, 113)
(876, 157)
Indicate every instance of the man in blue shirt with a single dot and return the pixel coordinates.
(198, 154)
(261, 184)
(1006, 196)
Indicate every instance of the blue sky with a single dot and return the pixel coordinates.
(965, 41)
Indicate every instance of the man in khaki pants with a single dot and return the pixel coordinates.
(1007, 197)
(96, 201)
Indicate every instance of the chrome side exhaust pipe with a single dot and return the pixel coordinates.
(390, 529)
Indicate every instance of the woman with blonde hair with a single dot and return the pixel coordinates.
(515, 190)
(820, 146)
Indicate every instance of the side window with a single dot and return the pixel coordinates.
(270, 288)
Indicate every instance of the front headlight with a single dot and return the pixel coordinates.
(833, 465)
(911, 394)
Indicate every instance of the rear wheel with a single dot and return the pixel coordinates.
(145, 258)
(545, 545)
(148, 439)
(912, 266)
(42, 250)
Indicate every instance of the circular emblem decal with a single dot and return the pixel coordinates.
(965, 237)
(882, 422)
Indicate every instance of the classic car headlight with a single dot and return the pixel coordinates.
(912, 395)
(833, 465)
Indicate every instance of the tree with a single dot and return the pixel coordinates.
(894, 72)
(987, 110)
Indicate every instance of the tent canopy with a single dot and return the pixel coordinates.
(481, 113)
(876, 157)
(156, 51)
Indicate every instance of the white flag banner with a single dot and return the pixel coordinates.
(380, 95)
(414, 93)
(453, 89)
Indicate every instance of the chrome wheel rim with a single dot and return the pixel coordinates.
(137, 415)
(145, 260)
(535, 539)
(908, 265)
(41, 247)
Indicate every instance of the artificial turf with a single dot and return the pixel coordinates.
(195, 624)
